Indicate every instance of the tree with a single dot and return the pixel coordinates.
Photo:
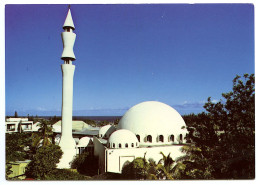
(15, 146)
(236, 118)
(85, 164)
(224, 137)
(15, 114)
(44, 162)
(137, 169)
(165, 167)
(43, 137)
(15, 149)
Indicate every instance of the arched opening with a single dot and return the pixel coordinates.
(149, 138)
(161, 138)
(119, 145)
(138, 137)
(113, 145)
(171, 138)
(126, 145)
(100, 135)
(181, 138)
(132, 145)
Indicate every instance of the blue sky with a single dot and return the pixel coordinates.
(179, 54)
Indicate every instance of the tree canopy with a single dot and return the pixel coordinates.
(224, 137)
(44, 162)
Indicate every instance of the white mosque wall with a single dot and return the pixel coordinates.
(99, 151)
(113, 160)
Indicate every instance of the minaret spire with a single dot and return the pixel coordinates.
(68, 21)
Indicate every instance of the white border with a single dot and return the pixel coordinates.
(2, 81)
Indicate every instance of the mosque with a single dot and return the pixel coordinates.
(147, 128)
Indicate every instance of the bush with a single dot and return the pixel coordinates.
(65, 174)
(44, 162)
(85, 164)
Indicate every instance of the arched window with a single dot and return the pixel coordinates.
(113, 145)
(161, 138)
(149, 138)
(126, 145)
(181, 138)
(172, 138)
(138, 137)
(100, 135)
(132, 144)
(119, 145)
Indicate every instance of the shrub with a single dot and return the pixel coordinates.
(44, 162)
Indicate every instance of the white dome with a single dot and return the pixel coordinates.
(122, 139)
(106, 131)
(84, 141)
(154, 123)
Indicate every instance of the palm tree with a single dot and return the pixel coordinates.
(165, 167)
(192, 165)
(43, 136)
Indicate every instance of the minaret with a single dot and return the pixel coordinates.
(67, 143)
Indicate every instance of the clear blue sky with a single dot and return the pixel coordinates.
(178, 54)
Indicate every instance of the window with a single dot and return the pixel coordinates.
(100, 135)
(68, 29)
(132, 144)
(172, 138)
(113, 145)
(119, 145)
(149, 138)
(161, 138)
(138, 137)
(181, 138)
(126, 145)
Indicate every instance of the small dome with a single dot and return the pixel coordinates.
(84, 141)
(154, 123)
(122, 139)
(106, 131)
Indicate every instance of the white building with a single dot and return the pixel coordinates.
(149, 127)
(12, 125)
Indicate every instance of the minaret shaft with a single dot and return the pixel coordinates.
(67, 99)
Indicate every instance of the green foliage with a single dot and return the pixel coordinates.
(65, 174)
(44, 135)
(85, 164)
(90, 122)
(141, 169)
(107, 176)
(44, 162)
(15, 146)
(137, 169)
(224, 138)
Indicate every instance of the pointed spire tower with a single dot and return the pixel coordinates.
(67, 143)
